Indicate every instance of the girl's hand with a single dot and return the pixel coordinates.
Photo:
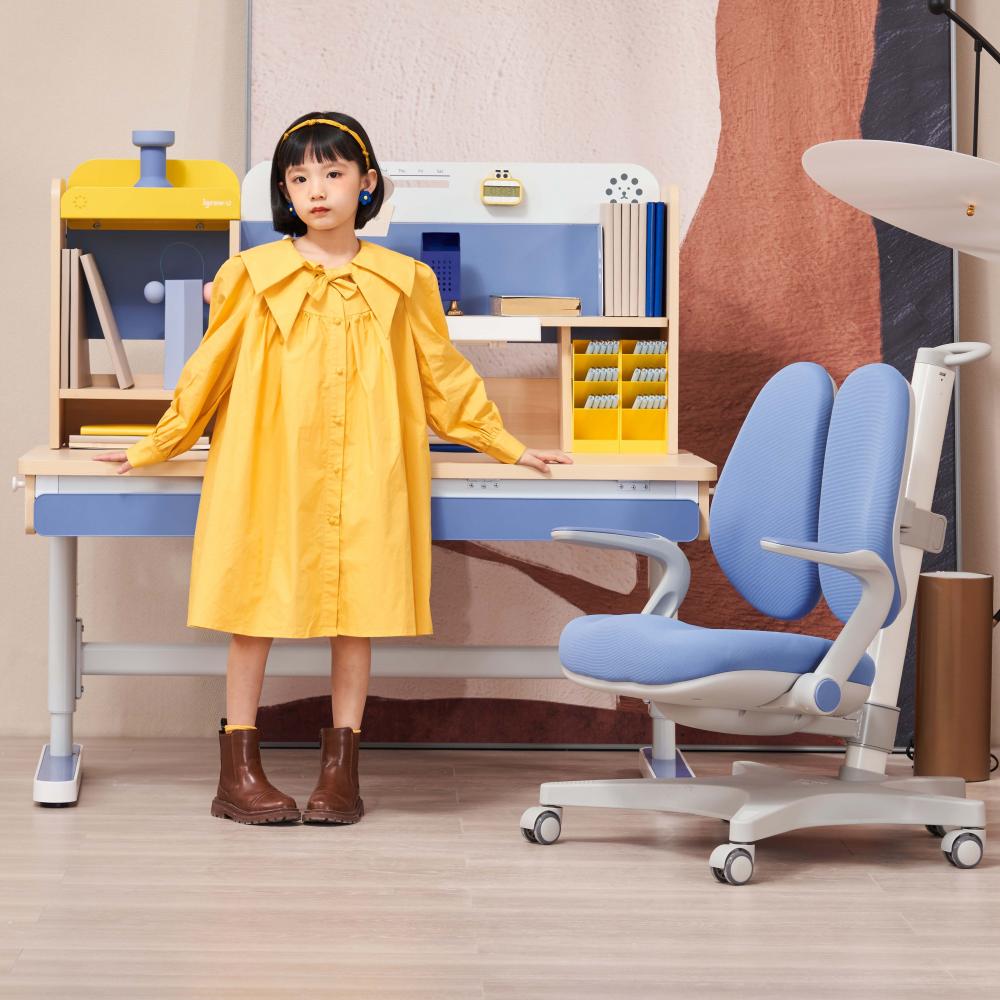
(115, 456)
(540, 458)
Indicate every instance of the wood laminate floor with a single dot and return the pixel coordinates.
(138, 892)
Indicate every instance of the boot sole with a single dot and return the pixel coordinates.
(223, 810)
(320, 816)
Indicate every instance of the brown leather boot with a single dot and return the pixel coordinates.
(244, 793)
(336, 798)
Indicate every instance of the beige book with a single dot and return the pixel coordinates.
(643, 236)
(64, 263)
(626, 257)
(633, 269)
(79, 346)
(534, 305)
(607, 227)
(616, 259)
(119, 361)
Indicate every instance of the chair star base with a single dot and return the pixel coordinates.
(760, 800)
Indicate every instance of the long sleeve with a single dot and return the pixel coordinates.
(455, 399)
(208, 373)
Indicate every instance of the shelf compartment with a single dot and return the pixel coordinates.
(644, 431)
(632, 361)
(595, 430)
(632, 389)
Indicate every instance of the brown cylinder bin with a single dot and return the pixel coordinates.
(954, 661)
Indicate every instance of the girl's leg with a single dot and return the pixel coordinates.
(336, 797)
(245, 677)
(350, 669)
(245, 794)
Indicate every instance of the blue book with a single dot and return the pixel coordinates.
(658, 261)
(650, 240)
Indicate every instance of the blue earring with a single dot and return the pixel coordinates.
(365, 197)
(291, 208)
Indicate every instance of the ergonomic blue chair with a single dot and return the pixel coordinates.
(819, 496)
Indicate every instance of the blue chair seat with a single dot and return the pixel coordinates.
(651, 649)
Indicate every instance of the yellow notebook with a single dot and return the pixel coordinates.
(101, 429)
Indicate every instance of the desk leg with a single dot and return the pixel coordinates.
(57, 777)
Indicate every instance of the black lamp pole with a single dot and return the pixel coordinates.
(943, 7)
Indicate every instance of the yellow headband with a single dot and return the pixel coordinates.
(327, 121)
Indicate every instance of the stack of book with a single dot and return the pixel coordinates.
(118, 437)
(634, 263)
(534, 305)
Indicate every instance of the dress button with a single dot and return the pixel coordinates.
(340, 371)
(332, 519)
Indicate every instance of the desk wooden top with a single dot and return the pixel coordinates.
(682, 467)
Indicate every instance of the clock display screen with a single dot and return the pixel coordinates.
(501, 190)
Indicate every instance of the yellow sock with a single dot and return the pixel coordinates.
(355, 730)
(229, 729)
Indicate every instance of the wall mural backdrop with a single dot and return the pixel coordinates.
(721, 97)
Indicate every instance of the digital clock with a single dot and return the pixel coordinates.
(501, 189)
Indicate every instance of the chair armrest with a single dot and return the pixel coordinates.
(673, 586)
(819, 692)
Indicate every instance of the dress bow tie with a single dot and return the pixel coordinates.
(344, 283)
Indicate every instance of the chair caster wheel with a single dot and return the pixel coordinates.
(541, 824)
(732, 864)
(963, 848)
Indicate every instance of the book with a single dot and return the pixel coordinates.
(658, 262)
(633, 263)
(534, 305)
(123, 371)
(64, 266)
(616, 260)
(79, 346)
(641, 295)
(607, 227)
(626, 258)
(116, 442)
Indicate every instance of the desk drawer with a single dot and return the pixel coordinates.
(452, 518)
(494, 518)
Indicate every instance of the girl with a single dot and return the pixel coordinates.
(324, 361)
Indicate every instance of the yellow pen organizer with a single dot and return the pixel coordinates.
(619, 377)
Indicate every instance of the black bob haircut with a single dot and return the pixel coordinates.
(321, 143)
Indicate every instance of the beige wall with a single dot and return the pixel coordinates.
(77, 79)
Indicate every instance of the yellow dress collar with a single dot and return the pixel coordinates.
(284, 277)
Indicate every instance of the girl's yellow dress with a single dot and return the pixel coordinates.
(314, 516)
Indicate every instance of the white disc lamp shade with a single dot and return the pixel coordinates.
(944, 196)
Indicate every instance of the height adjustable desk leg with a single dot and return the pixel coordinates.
(57, 777)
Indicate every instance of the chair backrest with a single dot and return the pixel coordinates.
(864, 478)
(770, 487)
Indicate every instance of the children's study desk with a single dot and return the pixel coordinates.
(68, 495)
